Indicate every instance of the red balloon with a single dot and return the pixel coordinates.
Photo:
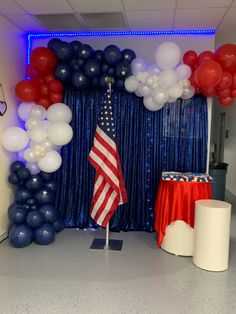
(44, 101)
(209, 92)
(39, 80)
(190, 58)
(206, 56)
(226, 56)
(27, 90)
(192, 80)
(56, 97)
(43, 60)
(224, 93)
(30, 71)
(226, 81)
(233, 93)
(55, 86)
(228, 101)
(49, 77)
(208, 74)
(44, 90)
(234, 81)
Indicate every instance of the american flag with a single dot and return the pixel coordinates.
(109, 187)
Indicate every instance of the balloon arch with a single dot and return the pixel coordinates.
(33, 215)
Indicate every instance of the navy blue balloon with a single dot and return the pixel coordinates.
(74, 64)
(20, 235)
(110, 71)
(53, 44)
(16, 165)
(34, 207)
(112, 54)
(119, 85)
(24, 173)
(80, 62)
(35, 183)
(128, 55)
(52, 185)
(92, 68)
(75, 45)
(26, 206)
(102, 81)
(95, 82)
(85, 51)
(47, 177)
(58, 225)
(63, 72)
(45, 196)
(123, 70)
(31, 201)
(18, 215)
(34, 219)
(79, 80)
(45, 234)
(49, 212)
(64, 51)
(13, 206)
(22, 195)
(99, 55)
(104, 67)
(13, 178)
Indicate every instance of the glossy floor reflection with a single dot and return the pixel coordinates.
(67, 277)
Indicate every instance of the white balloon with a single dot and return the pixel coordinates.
(131, 84)
(172, 99)
(24, 110)
(38, 135)
(176, 91)
(14, 139)
(188, 92)
(60, 133)
(144, 90)
(138, 65)
(32, 123)
(167, 55)
(38, 112)
(160, 96)
(141, 77)
(50, 162)
(45, 124)
(151, 80)
(186, 83)
(137, 93)
(153, 69)
(183, 71)
(30, 155)
(59, 112)
(150, 104)
(33, 167)
(48, 146)
(167, 78)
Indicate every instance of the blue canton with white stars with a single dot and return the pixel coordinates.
(106, 121)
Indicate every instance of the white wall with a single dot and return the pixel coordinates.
(12, 64)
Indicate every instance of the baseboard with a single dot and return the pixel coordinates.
(3, 236)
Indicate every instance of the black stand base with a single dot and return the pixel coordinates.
(100, 244)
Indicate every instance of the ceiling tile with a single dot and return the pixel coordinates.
(153, 20)
(46, 6)
(198, 19)
(10, 7)
(226, 30)
(134, 5)
(181, 4)
(26, 22)
(91, 6)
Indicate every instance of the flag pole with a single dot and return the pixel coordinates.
(107, 235)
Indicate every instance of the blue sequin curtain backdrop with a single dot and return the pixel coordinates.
(172, 139)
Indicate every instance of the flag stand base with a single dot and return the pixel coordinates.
(100, 244)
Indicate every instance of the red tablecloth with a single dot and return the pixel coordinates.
(176, 201)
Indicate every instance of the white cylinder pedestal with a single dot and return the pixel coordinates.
(178, 239)
(211, 234)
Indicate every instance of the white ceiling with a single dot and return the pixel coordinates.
(137, 14)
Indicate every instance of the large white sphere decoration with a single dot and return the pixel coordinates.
(176, 91)
(14, 139)
(138, 65)
(188, 92)
(38, 135)
(131, 84)
(167, 55)
(50, 162)
(60, 133)
(24, 110)
(59, 112)
(168, 78)
(183, 71)
(160, 96)
(30, 156)
(144, 90)
(32, 123)
(38, 112)
(33, 167)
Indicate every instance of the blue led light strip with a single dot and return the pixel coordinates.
(196, 32)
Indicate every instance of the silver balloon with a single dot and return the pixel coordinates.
(188, 92)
